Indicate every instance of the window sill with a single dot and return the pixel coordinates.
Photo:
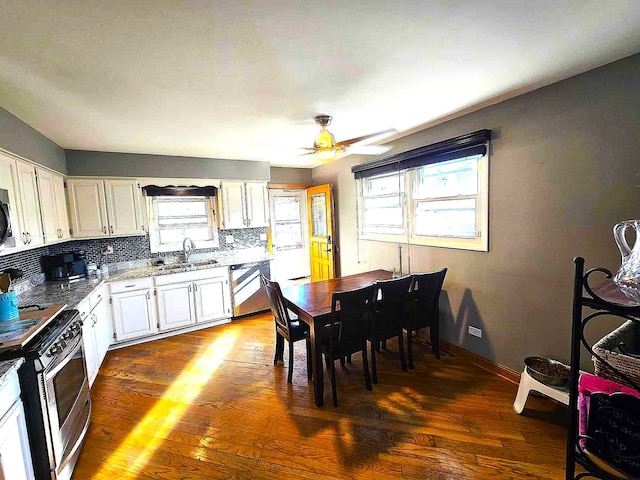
(474, 244)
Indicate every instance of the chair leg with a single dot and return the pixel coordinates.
(384, 344)
(409, 348)
(365, 366)
(434, 332)
(290, 376)
(403, 362)
(309, 367)
(342, 361)
(334, 391)
(349, 358)
(374, 366)
(279, 348)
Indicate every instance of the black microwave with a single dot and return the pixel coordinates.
(7, 239)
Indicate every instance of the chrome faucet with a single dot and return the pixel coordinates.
(187, 247)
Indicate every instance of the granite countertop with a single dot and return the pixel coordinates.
(7, 368)
(71, 294)
(49, 293)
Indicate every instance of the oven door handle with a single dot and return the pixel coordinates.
(53, 369)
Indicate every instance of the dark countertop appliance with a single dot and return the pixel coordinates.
(247, 294)
(66, 266)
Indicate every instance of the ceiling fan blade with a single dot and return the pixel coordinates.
(371, 137)
(368, 149)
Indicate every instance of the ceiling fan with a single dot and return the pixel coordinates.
(325, 146)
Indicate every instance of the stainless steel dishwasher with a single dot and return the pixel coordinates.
(247, 294)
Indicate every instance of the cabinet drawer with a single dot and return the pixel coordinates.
(9, 393)
(192, 276)
(130, 285)
(84, 307)
(96, 297)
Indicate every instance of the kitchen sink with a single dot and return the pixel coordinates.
(187, 266)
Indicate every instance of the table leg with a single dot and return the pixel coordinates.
(316, 364)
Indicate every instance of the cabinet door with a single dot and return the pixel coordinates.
(29, 204)
(9, 182)
(123, 207)
(87, 207)
(133, 315)
(175, 306)
(213, 299)
(90, 347)
(15, 456)
(48, 205)
(101, 330)
(62, 214)
(257, 204)
(233, 205)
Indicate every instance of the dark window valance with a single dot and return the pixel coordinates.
(178, 191)
(474, 143)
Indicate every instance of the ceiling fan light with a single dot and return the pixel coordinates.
(325, 153)
(324, 140)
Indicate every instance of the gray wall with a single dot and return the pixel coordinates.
(564, 168)
(19, 138)
(291, 175)
(105, 164)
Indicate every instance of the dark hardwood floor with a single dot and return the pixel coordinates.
(210, 404)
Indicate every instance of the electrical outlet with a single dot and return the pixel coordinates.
(228, 239)
(476, 332)
(107, 250)
(263, 237)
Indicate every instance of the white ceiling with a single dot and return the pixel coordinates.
(242, 80)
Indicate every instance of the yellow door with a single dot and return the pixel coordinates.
(321, 233)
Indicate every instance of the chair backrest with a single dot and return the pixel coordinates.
(391, 296)
(425, 291)
(278, 307)
(351, 315)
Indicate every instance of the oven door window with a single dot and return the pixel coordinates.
(67, 384)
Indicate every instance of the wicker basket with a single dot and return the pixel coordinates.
(608, 349)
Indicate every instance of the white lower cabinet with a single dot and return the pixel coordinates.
(175, 306)
(212, 298)
(96, 332)
(15, 454)
(193, 297)
(133, 310)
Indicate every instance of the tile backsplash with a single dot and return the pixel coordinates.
(125, 249)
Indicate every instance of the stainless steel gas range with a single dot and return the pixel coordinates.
(55, 393)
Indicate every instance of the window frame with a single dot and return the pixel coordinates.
(478, 243)
(155, 228)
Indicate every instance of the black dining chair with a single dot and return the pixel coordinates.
(348, 329)
(391, 297)
(291, 330)
(422, 309)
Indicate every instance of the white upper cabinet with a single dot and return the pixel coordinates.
(87, 207)
(9, 182)
(62, 212)
(244, 205)
(123, 207)
(101, 208)
(55, 222)
(31, 229)
(257, 204)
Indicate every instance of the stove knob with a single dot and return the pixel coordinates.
(69, 334)
(55, 349)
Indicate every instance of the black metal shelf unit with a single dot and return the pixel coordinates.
(605, 299)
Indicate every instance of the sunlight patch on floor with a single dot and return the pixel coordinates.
(160, 420)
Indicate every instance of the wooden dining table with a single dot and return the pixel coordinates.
(311, 302)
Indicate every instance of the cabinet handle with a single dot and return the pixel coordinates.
(143, 228)
(148, 296)
(189, 288)
(130, 286)
(24, 238)
(28, 237)
(195, 287)
(104, 229)
(111, 229)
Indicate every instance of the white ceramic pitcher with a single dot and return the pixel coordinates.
(628, 276)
